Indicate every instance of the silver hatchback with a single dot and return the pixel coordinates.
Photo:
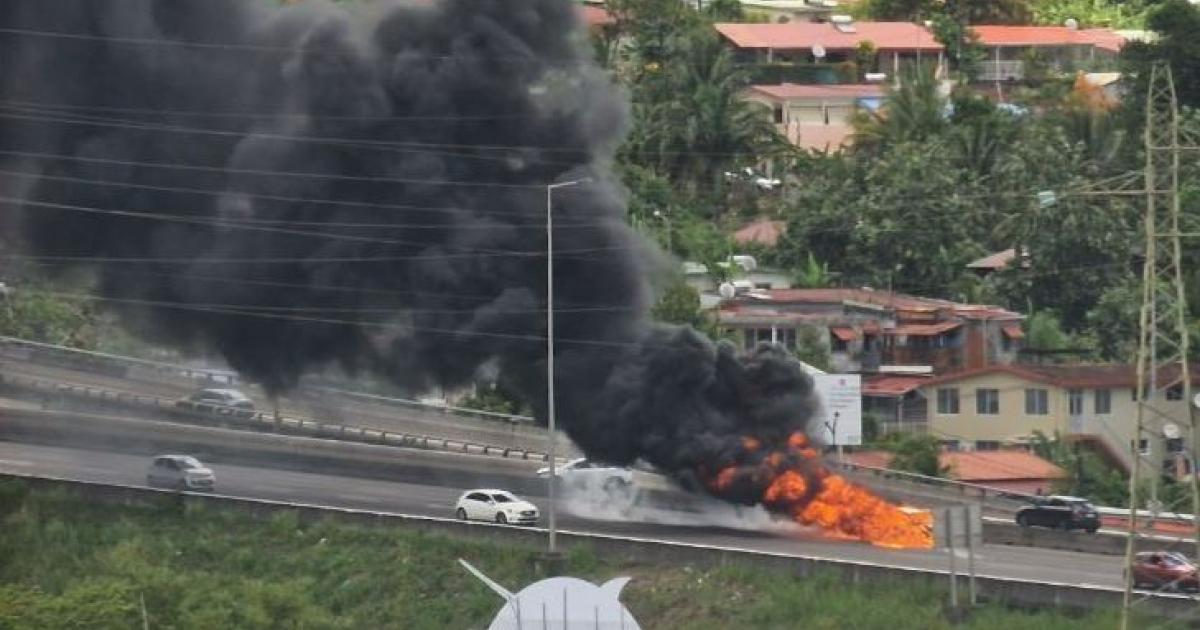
(180, 472)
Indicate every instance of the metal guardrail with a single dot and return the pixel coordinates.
(985, 493)
(260, 421)
(118, 365)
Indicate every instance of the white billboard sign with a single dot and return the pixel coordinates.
(840, 418)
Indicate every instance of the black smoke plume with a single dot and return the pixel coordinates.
(305, 186)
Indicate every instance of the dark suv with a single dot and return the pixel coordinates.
(1064, 513)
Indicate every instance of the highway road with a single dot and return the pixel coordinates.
(433, 492)
(322, 406)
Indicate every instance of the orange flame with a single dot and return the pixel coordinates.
(839, 507)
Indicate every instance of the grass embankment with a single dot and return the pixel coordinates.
(66, 563)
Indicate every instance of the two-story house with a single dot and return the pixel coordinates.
(868, 331)
(817, 117)
(997, 405)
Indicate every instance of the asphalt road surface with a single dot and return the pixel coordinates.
(317, 405)
(420, 496)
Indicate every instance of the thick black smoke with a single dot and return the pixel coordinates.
(310, 186)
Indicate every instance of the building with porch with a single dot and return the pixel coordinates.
(1058, 50)
(868, 331)
(895, 47)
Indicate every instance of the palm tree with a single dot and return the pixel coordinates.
(691, 121)
(912, 112)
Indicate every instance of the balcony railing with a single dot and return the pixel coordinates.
(1001, 70)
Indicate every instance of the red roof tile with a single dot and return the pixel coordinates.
(922, 330)
(891, 386)
(596, 17)
(805, 35)
(763, 232)
(988, 466)
(795, 92)
(1048, 36)
(1013, 331)
(845, 333)
(981, 467)
(1070, 375)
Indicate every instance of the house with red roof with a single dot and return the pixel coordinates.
(1010, 470)
(816, 117)
(897, 46)
(995, 406)
(871, 331)
(1011, 50)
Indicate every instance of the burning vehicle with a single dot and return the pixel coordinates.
(304, 187)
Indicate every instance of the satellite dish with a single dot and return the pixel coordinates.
(1171, 431)
(1071, 23)
(727, 290)
(818, 51)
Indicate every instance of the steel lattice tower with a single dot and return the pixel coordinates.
(1162, 356)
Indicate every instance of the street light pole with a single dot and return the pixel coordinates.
(551, 455)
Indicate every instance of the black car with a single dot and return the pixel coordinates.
(1058, 512)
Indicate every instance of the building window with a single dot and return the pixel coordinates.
(1175, 445)
(785, 337)
(987, 445)
(1037, 402)
(1144, 446)
(947, 401)
(1175, 392)
(950, 445)
(837, 345)
(1103, 401)
(1075, 402)
(987, 402)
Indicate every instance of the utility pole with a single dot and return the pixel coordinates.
(551, 436)
(1162, 359)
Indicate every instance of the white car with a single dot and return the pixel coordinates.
(180, 472)
(498, 506)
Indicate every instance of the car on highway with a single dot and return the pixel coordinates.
(498, 506)
(1167, 570)
(230, 399)
(1060, 512)
(180, 472)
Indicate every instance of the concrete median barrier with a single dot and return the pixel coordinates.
(89, 399)
(260, 449)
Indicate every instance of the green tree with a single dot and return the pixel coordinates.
(913, 112)
(1087, 474)
(1176, 23)
(813, 275)
(691, 122)
(30, 313)
(812, 349)
(1043, 331)
(493, 399)
(915, 453)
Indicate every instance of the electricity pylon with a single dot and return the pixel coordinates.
(1162, 358)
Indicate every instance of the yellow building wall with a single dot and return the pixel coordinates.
(1116, 428)
(1010, 423)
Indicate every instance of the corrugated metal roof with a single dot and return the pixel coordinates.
(1048, 36)
(805, 35)
(891, 386)
(794, 91)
